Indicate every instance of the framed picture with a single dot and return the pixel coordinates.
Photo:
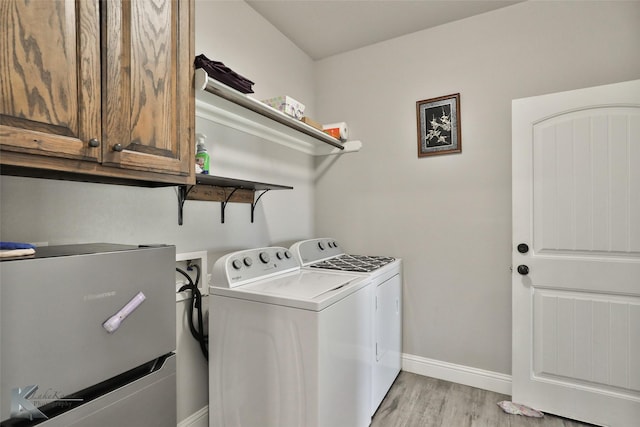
(439, 125)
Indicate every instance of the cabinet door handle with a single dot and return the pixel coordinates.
(94, 142)
(118, 148)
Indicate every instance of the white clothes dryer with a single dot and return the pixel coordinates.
(385, 275)
(288, 347)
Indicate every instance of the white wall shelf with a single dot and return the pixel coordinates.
(221, 104)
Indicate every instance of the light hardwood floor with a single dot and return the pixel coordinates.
(418, 401)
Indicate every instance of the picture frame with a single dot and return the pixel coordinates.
(439, 125)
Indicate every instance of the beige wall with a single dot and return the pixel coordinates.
(232, 32)
(449, 217)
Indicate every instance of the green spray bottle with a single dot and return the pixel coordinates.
(202, 157)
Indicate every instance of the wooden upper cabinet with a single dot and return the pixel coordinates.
(98, 90)
(148, 89)
(50, 78)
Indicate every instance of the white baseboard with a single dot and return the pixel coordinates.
(199, 418)
(474, 377)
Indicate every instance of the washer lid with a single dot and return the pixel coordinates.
(304, 289)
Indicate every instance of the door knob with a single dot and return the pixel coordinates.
(118, 147)
(523, 269)
(523, 248)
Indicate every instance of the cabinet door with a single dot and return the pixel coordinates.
(148, 103)
(388, 336)
(50, 78)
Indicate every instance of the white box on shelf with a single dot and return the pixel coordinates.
(287, 105)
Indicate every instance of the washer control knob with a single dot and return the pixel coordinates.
(335, 244)
(264, 257)
(279, 255)
(321, 245)
(236, 264)
(287, 254)
(247, 261)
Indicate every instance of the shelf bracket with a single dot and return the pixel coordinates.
(183, 191)
(223, 205)
(220, 189)
(253, 205)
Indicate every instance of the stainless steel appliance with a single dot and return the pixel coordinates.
(87, 336)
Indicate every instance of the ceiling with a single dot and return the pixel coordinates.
(322, 28)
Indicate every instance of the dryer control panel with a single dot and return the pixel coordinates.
(314, 250)
(242, 267)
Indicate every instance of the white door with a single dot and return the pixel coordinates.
(576, 207)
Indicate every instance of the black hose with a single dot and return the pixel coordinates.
(196, 297)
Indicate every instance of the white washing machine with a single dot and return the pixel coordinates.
(288, 347)
(385, 275)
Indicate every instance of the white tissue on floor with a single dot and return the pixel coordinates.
(519, 409)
